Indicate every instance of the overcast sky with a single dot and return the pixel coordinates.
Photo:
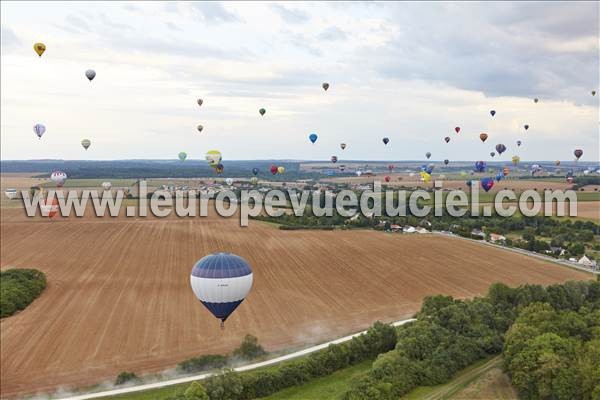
(407, 71)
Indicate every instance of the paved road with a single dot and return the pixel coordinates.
(248, 367)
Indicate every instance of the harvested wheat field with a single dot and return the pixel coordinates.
(118, 295)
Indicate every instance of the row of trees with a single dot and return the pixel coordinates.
(230, 385)
(548, 350)
(18, 288)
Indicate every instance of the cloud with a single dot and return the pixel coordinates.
(502, 51)
(332, 33)
(111, 24)
(75, 24)
(212, 12)
(293, 16)
(9, 39)
(172, 26)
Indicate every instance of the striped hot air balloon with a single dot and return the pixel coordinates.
(221, 281)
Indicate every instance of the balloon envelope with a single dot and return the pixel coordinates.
(262, 111)
(447, 139)
(86, 143)
(280, 170)
(199, 127)
(480, 166)
(334, 159)
(90, 74)
(59, 178)
(229, 181)
(483, 137)
(578, 153)
(39, 130)
(273, 169)
(213, 157)
(457, 129)
(386, 140)
(500, 148)
(221, 281)
(200, 101)
(428, 155)
(493, 112)
(255, 171)
(325, 86)
(313, 137)
(182, 156)
(39, 48)
(343, 145)
(106, 185)
(487, 183)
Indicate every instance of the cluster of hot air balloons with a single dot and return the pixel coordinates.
(59, 177)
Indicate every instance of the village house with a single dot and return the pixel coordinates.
(494, 238)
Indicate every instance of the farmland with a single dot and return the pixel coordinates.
(118, 293)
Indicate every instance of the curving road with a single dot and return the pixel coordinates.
(248, 367)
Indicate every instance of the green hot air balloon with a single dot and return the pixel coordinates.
(182, 156)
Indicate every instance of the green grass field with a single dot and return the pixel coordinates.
(327, 388)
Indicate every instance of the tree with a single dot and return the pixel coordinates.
(249, 348)
(196, 392)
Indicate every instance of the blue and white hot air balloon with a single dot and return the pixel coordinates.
(221, 281)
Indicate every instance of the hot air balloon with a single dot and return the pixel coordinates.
(519, 143)
(483, 137)
(221, 281)
(427, 168)
(342, 167)
(313, 137)
(182, 156)
(492, 153)
(505, 171)
(199, 127)
(493, 112)
(49, 210)
(213, 157)
(428, 155)
(39, 130)
(254, 180)
(90, 74)
(593, 92)
(426, 177)
(446, 161)
(447, 139)
(39, 48)
(391, 167)
(487, 184)
(358, 173)
(515, 160)
(343, 145)
(229, 181)
(325, 86)
(578, 153)
(106, 185)
(386, 140)
(255, 171)
(273, 169)
(480, 166)
(333, 159)
(457, 129)
(262, 111)
(569, 179)
(387, 178)
(200, 101)
(280, 170)
(500, 148)
(469, 183)
(557, 162)
(535, 168)
(59, 178)
(536, 100)
(86, 143)
(499, 176)
(219, 168)
(526, 126)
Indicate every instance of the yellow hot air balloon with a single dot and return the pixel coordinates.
(280, 170)
(213, 157)
(425, 176)
(39, 48)
(515, 160)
